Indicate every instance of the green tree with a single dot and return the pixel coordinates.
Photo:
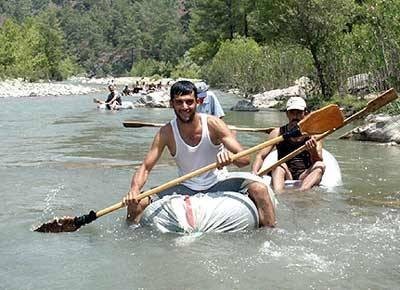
(237, 64)
(312, 24)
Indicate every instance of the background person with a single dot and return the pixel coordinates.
(113, 100)
(207, 101)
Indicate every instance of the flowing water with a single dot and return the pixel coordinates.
(61, 156)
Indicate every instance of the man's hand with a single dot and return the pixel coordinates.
(223, 158)
(130, 198)
(311, 144)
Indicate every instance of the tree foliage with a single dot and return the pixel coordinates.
(253, 45)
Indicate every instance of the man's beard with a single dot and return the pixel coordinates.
(293, 123)
(187, 121)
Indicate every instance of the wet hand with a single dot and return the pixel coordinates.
(130, 198)
(311, 144)
(223, 158)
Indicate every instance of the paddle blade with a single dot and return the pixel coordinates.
(138, 124)
(381, 100)
(65, 224)
(324, 119)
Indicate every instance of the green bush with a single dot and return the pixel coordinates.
(186, 68)
(243, 64)
(237, 65)
(149, 67)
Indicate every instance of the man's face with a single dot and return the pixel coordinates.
(184, 107)
(295, 116)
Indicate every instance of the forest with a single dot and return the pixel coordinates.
(250, 45)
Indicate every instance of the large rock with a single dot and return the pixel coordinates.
(379, 128)
(244, 105)
(359, 84)
(270, 99)
(158, 99)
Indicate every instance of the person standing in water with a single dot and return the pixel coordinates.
(207, 101)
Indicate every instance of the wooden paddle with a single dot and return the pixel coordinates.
(372, 106)
(317, 122)
(138, 124)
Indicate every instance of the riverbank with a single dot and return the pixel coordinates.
(19, 88)
(74, 86)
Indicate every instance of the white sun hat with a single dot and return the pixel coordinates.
(296, 103)
(202, 89)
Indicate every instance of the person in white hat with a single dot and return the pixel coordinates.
(307, 167)
(207, 102)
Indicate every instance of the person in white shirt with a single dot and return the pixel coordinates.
(194, 140)
(207, 102)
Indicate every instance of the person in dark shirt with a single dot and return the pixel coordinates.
(113, 100)
(308, 166)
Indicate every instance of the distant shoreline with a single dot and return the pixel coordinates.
(18, 88)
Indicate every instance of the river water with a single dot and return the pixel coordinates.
(61, 156)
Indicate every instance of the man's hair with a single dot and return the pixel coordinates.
(181, 88)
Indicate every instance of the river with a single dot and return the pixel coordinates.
(61, 156)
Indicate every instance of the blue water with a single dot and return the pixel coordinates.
(61, 156)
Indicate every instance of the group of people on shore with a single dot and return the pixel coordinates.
(114, 97)
(143, 87)
(198, 136)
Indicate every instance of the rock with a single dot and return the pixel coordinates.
(359, 84)
(244, 105)
(306, 84)
(271, 98)
(379, 128)
(154, 100)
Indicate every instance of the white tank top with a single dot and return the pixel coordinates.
(189, 158)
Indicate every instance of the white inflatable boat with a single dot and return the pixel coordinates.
(332, 176)
(223, 211)
(124, 105)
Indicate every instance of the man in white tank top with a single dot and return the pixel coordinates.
(194, 141)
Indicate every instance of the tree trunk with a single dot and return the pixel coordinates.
(325, 90)
(230, 19)
(246, 25)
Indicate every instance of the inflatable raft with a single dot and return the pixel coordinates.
(220, 211)
(124, 105)
(332, 176)
(224, 211)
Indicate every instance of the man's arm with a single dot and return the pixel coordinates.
(141, 175)
(220, 133)
(262, 154)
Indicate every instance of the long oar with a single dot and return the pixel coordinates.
(317, 122)
(372, 106)
(138, 124)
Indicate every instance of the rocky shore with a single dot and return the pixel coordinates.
(377, 128)
(73, 86)
(19, 88)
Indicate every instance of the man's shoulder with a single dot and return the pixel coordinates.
(166, 133)
(211, 93)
